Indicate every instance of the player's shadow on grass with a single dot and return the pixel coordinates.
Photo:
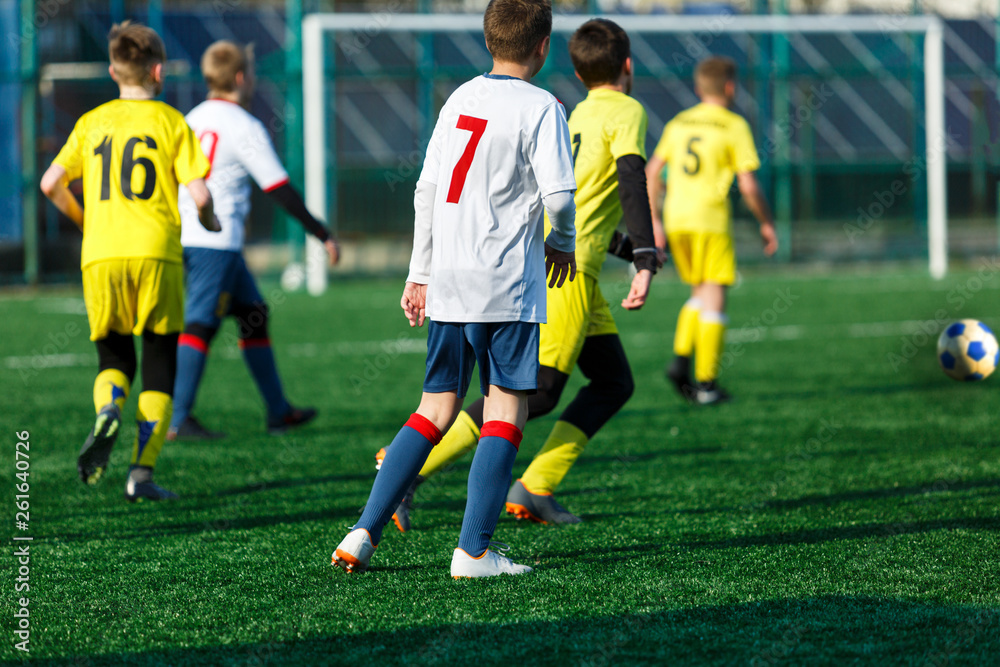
(856, 532)
(933, 488)
(292, 483)
(839, 390)
(625, 458)
(836, 629)
(215, 524)
(545, 558)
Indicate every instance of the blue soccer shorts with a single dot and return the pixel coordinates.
(217, 282)
(506, 352)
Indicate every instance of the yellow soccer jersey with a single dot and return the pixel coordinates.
(131, 155)
(704, 148)
(605, 126)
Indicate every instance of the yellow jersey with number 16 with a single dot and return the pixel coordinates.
(131, 155)
(704, 148)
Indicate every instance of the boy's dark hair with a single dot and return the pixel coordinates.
(133, 50)
(514, 28)
(599, 49)
(713, 73)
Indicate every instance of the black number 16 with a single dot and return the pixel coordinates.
(129, 162)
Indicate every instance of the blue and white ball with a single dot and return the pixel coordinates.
(968, 350)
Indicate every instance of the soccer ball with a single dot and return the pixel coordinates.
(968, 350)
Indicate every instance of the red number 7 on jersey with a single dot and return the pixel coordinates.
(477, 126)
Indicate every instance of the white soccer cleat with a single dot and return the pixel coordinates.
(355, 551)
(490, 564)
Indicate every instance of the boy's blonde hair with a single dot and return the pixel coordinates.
(133, 50)
(514, 28)
(222, 61)
(713, 73)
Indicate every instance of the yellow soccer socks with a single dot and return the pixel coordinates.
(686, 332)
(111, 386)
(460, 438)
(153, 418)
(557, 456)
(710, 341)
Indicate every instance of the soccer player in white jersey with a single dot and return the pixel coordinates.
(218, 282)
(500, 154)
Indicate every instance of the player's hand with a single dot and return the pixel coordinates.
(640, 290)
(560, 265)
(414, 302)
(332, 250)
(214, 225)
(770, 238)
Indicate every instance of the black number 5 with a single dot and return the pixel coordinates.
(689, 170)
(576, 147)
(129, 163)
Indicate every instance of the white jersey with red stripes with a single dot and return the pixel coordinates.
(499, 146)
(239, 148)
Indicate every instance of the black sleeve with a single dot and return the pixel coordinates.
(635, 206)
(292, 202)
(621, 246)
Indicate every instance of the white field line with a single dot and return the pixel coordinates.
(403, 345)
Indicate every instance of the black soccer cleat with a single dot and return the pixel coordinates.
(679, 374)
(192, 429)
(294, 417)
(710, 393)
(96, 450)
(148, 490)
(537, 507)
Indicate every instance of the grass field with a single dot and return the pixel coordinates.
(845, 509)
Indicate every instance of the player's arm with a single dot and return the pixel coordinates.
(560, 244)
(55, 187)
(264, 166)
(757, 203)
(203, 200)
(656, 190)
(414, 299)
(634, 195)
(551, 157)
(290, 199)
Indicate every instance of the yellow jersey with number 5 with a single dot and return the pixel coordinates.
(704, 148)
(131, 155)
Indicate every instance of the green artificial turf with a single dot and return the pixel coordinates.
(844, 509)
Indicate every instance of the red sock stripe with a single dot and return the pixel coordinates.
(498, 429)
(249, 343)
(194, 342)
(424, 427)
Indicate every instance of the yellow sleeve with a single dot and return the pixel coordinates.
(190, 162)
(70, 156)
(662, 149)
(629, 132)
(744, 152)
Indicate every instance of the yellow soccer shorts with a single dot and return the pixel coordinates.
(576, 311)
(129, 296)
(703, 257)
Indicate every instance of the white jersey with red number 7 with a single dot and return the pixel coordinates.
(499, 146)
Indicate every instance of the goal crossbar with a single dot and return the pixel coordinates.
(931, 27)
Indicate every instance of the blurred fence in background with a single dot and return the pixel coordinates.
(838, 166)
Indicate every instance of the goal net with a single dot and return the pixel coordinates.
(848, 114)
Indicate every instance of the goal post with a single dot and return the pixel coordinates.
(318, 102)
